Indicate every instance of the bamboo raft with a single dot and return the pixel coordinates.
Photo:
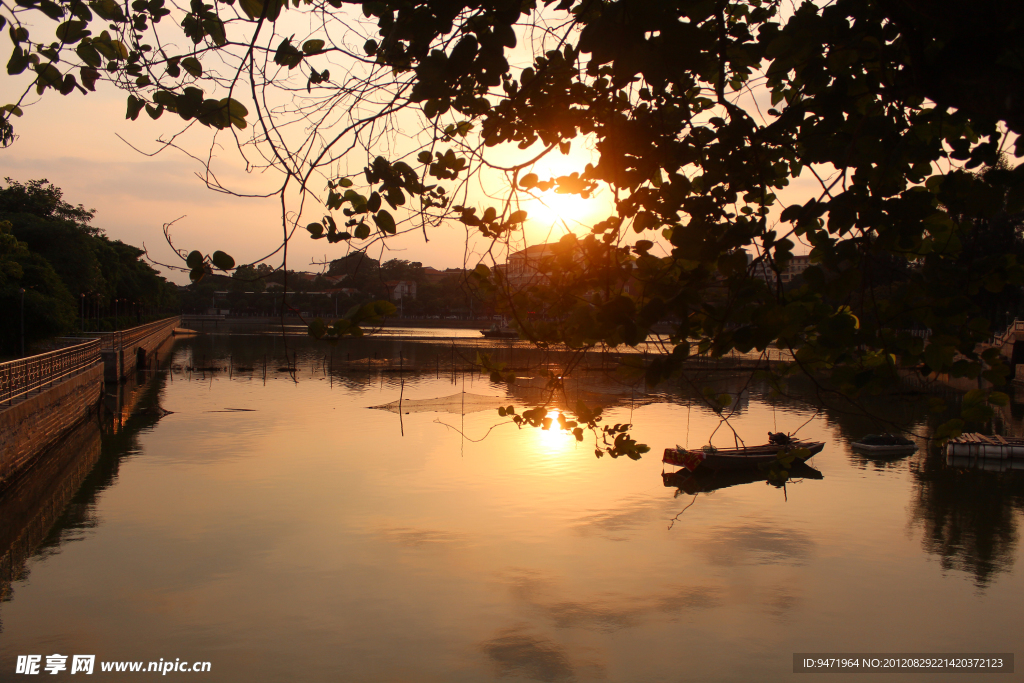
(973, 445)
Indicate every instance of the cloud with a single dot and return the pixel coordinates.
(779, 602)
(608, 612)
(517, 653)
(751, 543)
(613, 524)
(418, 538)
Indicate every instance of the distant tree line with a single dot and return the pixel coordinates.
(61, 274)
(355, 279)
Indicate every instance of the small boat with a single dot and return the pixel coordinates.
(746, 457)
(706, 481)
(884, 444)
(500, 332)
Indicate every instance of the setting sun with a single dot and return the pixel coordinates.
(551, 210)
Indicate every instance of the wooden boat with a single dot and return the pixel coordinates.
(748, 457)
(706, 481)
(884, 445)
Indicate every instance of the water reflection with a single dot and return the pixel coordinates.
(515, 652)
(38, 499)
(699, 481)
(754, 543)
(969, 516)
(618, 523)
(610, 611)
(519, 556)
(54, 502)
(970, 524)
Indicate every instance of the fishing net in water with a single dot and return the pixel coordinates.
(456, 403)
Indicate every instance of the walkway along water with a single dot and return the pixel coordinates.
(44, 397)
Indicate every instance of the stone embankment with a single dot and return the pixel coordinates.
(44, 397)
(29, 426)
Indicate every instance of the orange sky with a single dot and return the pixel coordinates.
(73, 142)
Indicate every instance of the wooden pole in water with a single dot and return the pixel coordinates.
(401, 422)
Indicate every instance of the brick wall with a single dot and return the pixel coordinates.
(29, 426)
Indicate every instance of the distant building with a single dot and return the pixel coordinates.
(523, 267)
(401, 289)
(432, 275)
(796, 266)
(435, 276)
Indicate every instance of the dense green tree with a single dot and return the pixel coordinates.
(44, 200)
(56, 230)
(351, 264)
(247, 278)
(107, 274)
(695, 114)
(30, 292)
(400, 269)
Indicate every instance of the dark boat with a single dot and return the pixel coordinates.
(747, 457)
(500, 332)
(884, 444)
(706, 481)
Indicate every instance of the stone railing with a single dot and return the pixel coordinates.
(133, 335)
(18, 378)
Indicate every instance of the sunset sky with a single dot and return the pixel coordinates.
(74, 142)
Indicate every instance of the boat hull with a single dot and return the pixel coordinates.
(736, 458)
(868, 449)
(706, 481)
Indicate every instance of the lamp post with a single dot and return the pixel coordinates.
(81, 313)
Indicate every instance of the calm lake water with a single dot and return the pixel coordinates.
(276, 526)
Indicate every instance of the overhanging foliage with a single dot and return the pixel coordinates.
(897, 117)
